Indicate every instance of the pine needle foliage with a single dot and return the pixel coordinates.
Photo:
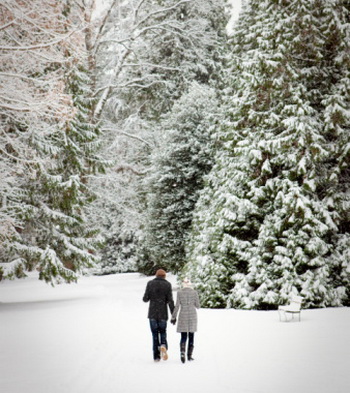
(53, 235)
(272, 218)
(184, 157)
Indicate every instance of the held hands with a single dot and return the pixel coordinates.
(173, 321)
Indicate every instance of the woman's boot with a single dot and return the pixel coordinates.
(182, 352)
(189, 352)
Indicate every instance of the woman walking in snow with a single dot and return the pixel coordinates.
(187, 302)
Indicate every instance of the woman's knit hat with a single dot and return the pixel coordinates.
(186, 283)
(161, 273)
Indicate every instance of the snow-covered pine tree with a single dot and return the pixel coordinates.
(65, 186)
(183, 158)
(335, 187)
(45, 206)
(64, 242)
(265, 226)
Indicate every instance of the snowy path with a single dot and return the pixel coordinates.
(94, 338)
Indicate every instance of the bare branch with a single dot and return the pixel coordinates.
(161, 11)
(39, 46)
(126, 167)
(104, 21)
(137, 9)
(15, 158)
(153, 65)
(107, 90)
(132, 136)
(14, 108)
(19, 76)
(3, 27)
(132, 83)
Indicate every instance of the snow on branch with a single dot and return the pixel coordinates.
(127, 167)
(160, 11)
(132, 136)
(124, 35)
(38, 46)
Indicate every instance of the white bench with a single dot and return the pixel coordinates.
(294, 307)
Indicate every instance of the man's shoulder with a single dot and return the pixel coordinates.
(166, 282)
(160, 281)
(157, 281)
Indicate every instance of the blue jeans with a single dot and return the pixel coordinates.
(158, 328)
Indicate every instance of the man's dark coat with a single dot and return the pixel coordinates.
(159, 294)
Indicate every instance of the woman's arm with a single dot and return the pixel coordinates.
(196, 300)
(177, 306)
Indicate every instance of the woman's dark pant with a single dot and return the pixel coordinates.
(190, 339)
(158, 328)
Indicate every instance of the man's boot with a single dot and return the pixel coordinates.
(182, 352)
(189, 352)
(163, 352)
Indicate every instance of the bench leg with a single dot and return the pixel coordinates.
(280, 312)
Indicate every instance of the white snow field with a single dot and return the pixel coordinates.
(94, 337)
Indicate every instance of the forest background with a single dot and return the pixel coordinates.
(143, 134)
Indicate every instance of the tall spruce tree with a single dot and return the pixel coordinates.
(184, 157)
(336, 188)
(199, 55)
(48, 189)
(71, 240)
(271, 219)
(55, 237)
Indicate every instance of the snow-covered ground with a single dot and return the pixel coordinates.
(94, 337)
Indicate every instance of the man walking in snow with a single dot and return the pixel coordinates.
(159, 294)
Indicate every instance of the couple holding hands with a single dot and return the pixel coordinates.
(159, 294)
